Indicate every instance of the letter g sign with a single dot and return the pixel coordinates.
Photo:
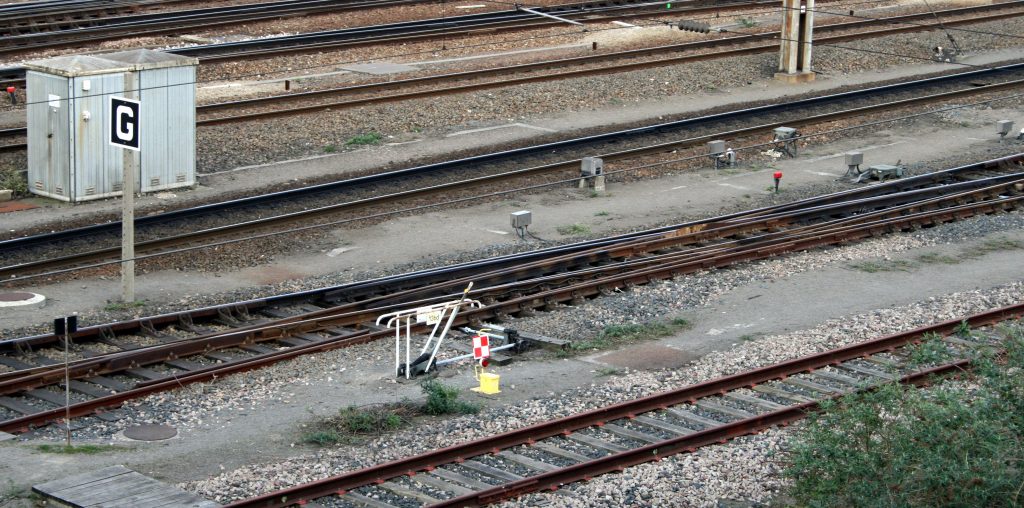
(124, 123)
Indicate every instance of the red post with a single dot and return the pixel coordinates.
(778, 177)
(10, 92)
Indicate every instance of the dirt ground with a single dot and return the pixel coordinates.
(764, 308)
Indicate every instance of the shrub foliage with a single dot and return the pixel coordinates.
(957, 444)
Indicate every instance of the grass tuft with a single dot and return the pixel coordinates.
(616, 335)
(443, 399)
(82, 449)
(372, 138)
(573, 229)
(354, 422)
(887, 265)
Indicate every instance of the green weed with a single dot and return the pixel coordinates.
(330, 149)
(601, 214)
(616, 335)
(443, 399)
(888, 265)
(372, 138)
(932, 257)
(82, 449)
(573, 229)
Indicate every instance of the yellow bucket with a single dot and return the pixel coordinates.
(488, 383)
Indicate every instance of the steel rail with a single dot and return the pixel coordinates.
(376, 88)
(360, 290)
(429, 28)
(514, 305)
(527, 435)
(176, 21)
(149, 247)
(364, 310)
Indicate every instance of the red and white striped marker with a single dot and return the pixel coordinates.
(481, 347)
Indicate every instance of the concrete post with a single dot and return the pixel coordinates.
(797, 36)
(131, 168)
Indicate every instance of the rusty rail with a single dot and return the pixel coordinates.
(341, 483)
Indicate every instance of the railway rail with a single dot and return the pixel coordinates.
(154, 24)
(35, 33)
(629, 60)
(796, 113)
(185, 349)
(556, 453)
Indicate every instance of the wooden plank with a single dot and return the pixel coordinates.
(54, 398)
(18, 406)
(144, 373)
(833, 376)
(756, 401)
(357, 498)
(689, 416)
(15, 363)
(868, 371)
(80, 479)
(482, 468)
(89, 389)
(811, 385)
(107, 382)
(621, 431)
(222, 357)
(529, 462)
(440, 483)
(153, 499)
(106, 490)
(723, 409)
(556, 450)
(596, 443)
(184, 364)
(404, 491)
(257, 348)
(782, 394)
(544, 341)
(665, 426)
(452, 476)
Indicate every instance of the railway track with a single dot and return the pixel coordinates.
(99, 244)
(621, 61)
(36, 33)
(554, 454)
(154, 24)
(164, 352)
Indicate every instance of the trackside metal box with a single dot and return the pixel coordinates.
(69, 154)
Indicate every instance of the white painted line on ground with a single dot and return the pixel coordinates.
(496, 232)
(864, 149)
(623, 23)
(476, 6)
(679, 187)
(484, 129)
(977, 139)
(339, 251)
(819, 173)
(734, 186)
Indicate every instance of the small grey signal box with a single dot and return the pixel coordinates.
(521, 219)
(854, 158)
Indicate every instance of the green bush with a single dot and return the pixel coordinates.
(615, 335)
(443, 400)
(952, 445)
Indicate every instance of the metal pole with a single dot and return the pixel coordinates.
(67, 384)
(128, 210)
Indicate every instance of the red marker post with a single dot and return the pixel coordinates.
(10, 92)
(778, 177)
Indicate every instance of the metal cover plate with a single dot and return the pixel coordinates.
(150, 432)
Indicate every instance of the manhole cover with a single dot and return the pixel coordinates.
(21, 299)
(15, 297)
(150, 432)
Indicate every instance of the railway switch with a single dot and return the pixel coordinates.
(719, 154)
(785, 140)
(592, 174)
